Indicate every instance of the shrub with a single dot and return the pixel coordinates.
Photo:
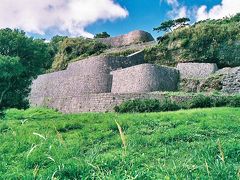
(138, 105)
(201, 101)
(234, 101)
(122, 53)
(220, 101)
(147, 105)
(169, 105)
(210, 41)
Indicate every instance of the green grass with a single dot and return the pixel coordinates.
(190, 144)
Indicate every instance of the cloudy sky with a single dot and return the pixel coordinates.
(46, 18)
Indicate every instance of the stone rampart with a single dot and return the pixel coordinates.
(91, 75)
(98, 84)
(104, 102)
(145, 78)
(196, 70)
(133, 37)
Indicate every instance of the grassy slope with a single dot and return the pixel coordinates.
(185, 144)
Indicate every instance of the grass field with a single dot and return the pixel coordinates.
(190, 144)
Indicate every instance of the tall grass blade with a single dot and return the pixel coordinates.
(35, 171)
(39, 135)
(122, 137)
(59, 136)
(207, 167)
(221, 151)
(31, 150)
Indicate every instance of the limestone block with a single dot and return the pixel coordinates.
(196, 70)
(144, 78)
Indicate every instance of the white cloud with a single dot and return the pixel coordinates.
(71, 16)
(173, 2)
(178, 10)
(226, 8)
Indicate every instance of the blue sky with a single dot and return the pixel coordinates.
(144, 15)
(46, 18)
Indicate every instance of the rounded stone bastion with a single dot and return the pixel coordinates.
(91, 75)
(133, 37)
(145, 78)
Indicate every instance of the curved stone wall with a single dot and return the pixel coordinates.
(66, 86)
(91, 75)
(133, 37)
(144, 78)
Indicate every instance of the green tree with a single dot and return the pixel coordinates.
(170, 24)
(181, 22)
(165, 26)
(208, 41)
(34, 54)
(30, 57)
(55, 44)
(102, 35)
(11, 69)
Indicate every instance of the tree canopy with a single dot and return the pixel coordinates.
(208, 41)
(102, 35)
(170, 24)
(21, 59)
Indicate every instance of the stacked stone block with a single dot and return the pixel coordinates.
(91, 75)
(231, 81)
(145, 78)
(103, 102)
(196, 70)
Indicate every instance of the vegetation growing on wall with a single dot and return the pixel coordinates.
(209, 41)
(122, 53)
(72, 48)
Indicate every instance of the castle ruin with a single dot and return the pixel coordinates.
(99, 83)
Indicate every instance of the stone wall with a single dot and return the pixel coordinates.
(91, 75)
(231, 81)
(226, 80)
(133, 37)
(196, 70)
(104, 102)
(145, 78)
